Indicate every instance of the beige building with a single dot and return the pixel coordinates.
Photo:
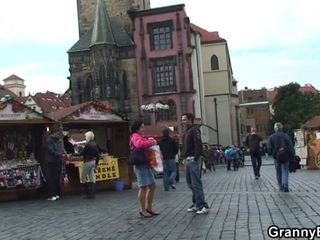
(219, 101)
(15, 84)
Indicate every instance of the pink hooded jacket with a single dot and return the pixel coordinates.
(139, 141)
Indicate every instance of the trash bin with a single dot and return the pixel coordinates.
(119, 185)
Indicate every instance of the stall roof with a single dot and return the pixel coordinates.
(11, 110)
(89, 111)
(313, 123)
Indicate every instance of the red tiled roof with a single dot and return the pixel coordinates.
(5, 91)
(50, 102)
(62, 113)
(22, 100)
(308, 88)
(206, 36)
(313, 122)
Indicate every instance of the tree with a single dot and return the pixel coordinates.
(293, 108)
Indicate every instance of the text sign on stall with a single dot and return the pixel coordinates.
(106, 169)
(8, 114)
(93, 114)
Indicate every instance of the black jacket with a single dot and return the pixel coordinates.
(53, 149)
(253, 143)
(168, 147)
(90, 152)
(192, 143)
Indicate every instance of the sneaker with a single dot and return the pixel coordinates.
(285, 189)
(173, 186)
(192, 208)
(52, 199)
(203, 210)
(57, 197)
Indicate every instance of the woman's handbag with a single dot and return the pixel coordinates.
(137, 157)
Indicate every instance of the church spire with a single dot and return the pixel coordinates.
(102, 30)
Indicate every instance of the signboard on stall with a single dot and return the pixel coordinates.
(16, 111)
(108, 168)
(92, 113)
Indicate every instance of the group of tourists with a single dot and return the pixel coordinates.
(192, 151)
(279, 146)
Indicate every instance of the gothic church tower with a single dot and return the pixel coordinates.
(116, 8)
(102, 63)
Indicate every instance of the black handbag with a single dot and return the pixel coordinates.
(137, 157)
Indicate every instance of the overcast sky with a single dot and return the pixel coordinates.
(271, 43)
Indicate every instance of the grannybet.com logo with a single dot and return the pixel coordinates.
(309, 233)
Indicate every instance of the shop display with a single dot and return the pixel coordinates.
(20, 174)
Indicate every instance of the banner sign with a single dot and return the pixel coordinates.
(108, 168)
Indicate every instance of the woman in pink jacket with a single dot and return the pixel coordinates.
(145, 178)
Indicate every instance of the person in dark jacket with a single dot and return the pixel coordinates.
(192, 150)
(282, 167)
(253, 143)
(169, 150)
(53, 155)
(68, 145)
(91, 157)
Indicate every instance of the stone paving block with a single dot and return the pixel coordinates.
(240, 207)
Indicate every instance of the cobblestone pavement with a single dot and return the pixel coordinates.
(240, 208)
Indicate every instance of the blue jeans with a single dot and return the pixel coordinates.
(193, 172)
(169, 172)
(282, 170)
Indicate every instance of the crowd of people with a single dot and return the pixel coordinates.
(197, 158)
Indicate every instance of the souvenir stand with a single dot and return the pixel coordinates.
(312, 133)
(22, 131)
(111, 133)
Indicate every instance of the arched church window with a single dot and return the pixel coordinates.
(214, 62)
(102, 82)
(125, 86)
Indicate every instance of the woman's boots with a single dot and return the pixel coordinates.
(89, 190)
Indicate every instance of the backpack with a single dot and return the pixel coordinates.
(281, 150)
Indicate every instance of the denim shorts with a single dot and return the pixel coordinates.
(144, 175)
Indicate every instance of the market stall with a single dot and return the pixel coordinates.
(312, 133)
(22, 131)
(111, 133)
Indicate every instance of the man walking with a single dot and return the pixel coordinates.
(169, 150)
(192, 149)
(253, 143)
(281, 148)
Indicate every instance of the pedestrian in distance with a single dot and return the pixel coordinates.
(169, 150)
(280, 146)
(91, 156)
(192, 150)
(253, 144)
(53, 150)
(144, 174)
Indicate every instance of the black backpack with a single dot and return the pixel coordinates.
(281, 150)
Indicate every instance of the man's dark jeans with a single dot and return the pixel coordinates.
(256, 163)
(194, 182)
(54, 179)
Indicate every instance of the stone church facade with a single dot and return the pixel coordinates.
(102, 62)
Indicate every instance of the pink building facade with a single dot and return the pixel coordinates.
(164, 71)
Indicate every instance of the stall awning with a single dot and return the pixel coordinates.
(12, 111)
(89, 111)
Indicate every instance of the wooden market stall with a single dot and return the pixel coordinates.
(22, 131)
(111, 133)
(312, 133)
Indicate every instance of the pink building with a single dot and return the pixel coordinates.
(164, 72)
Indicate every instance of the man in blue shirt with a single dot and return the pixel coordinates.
(281, 148)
